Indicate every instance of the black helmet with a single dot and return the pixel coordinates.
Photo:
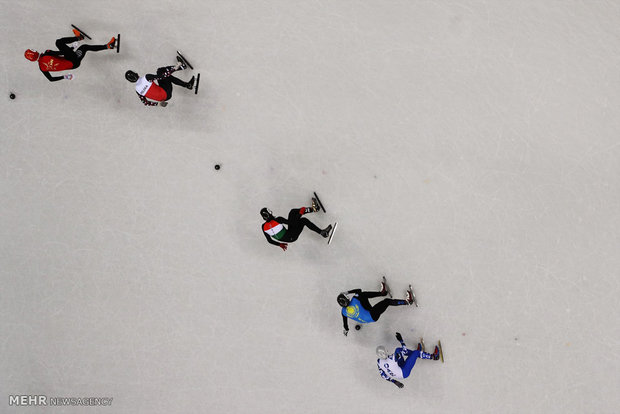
(343, 300)
(131, 76)
(265, 213)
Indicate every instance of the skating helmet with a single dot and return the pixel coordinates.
(31, 55)
(266, 213)
(382, 352)
(132, 76)
(343, 300)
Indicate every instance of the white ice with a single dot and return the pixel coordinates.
(470, 148)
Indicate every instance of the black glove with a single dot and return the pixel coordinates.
(399, 337)
(398, 384)
(345, 332)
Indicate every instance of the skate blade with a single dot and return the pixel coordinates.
(415, 301)
(331, 235)
(440, 351)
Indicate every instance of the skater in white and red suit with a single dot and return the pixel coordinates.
(156, 89)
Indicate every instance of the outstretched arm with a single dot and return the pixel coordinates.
(345, 323)
(283, 246)
(52, 78)
(270, 240)
(390, 379)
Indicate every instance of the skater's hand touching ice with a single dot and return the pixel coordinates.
(283, 246)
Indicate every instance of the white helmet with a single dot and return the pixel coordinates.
(382, 352)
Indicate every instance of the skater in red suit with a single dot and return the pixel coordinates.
(66, 57)
(278, 235)
(156, 89)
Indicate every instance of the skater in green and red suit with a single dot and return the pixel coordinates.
(278, 234)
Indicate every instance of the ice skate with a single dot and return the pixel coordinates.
(409, 297)
(190, 84)
(325, 233)
(318, 201)
(333, 231)
(315, 205)
(112, 43)
(181, 65)
(312, 209)
(385, 289)
(435, 354)
(78, 34)
(419, 347)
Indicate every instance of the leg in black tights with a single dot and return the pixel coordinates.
(296, 224)
(379, 308)
(167, 82)
(76, 56)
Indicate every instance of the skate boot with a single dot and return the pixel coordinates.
(312, 209)
(315, 205)
(435, 354)
(181, 65)
(325, 233)
(419, 347)
(78, 34)
(409, 298)
(112, 43)
(190, 84)
(384, 290)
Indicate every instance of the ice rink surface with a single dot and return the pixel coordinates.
(470, 148)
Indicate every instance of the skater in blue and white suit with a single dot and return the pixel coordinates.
(401, 362)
